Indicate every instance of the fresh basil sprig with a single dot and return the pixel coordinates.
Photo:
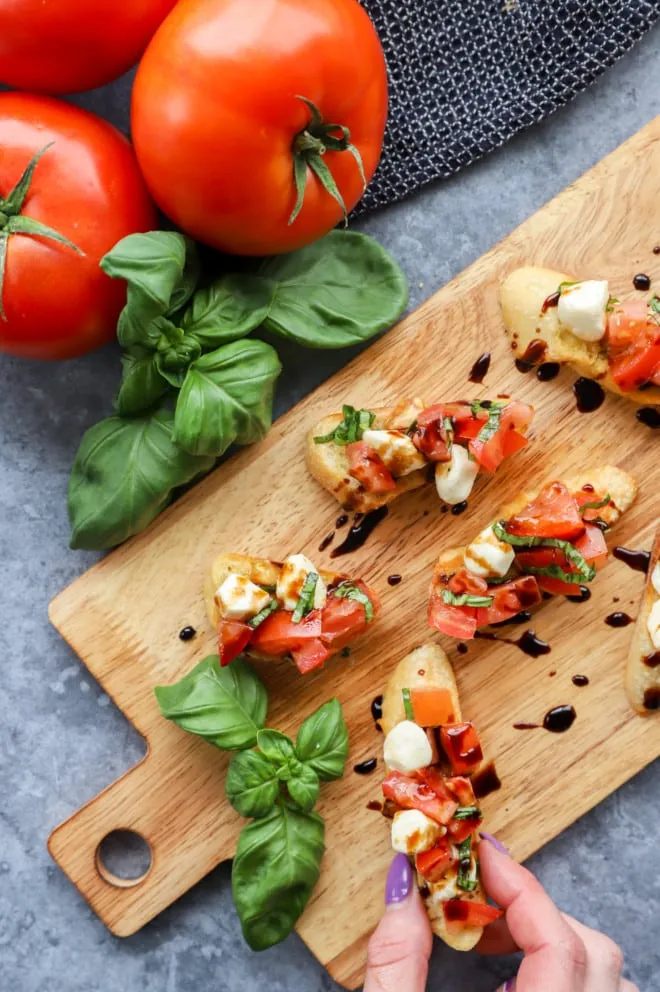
(305, 602)
(596, 504)
(465, 599)
(407, 704)
(492, 424)
(584, 570)
(185, 351)
(279, 853)
(351, 427)
(467, 866)
(348, 590)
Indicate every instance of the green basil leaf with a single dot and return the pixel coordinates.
(142, 385)
(351, 427)
(348, 590)
(322, 741)
(305, 602)
(227, 310)
(252, 785)
(262, 615)
(161, 269)
(226, 706)
(123, 476)
(277, 865)
(595, 504)
(304, 787)
(585, 570)
(227, 396)
(466, 599)
(339, 291)
(467, 813)
(277, 747)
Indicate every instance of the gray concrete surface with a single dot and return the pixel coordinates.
(61, 740)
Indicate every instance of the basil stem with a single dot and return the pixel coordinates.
(572, 554)
(305, 602)
(467, 867)
(596, 504)
(565, 285)
(255, 621)
(467, 812)
(492, 425)
(465, 599)
(407, 705)
(348, 590)
(351, 427)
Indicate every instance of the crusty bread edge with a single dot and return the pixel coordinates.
(639, 677)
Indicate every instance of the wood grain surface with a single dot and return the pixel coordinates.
(123, 616)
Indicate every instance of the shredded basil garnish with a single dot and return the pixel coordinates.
(255, 621)
(350, 429)
(467, 812)
(557, 572)
(407, 705)
(467, 868)
(654, 304)
(611, 303)
(565, 285)
(465, 599)
(596, 505)
(492, 425)
(449, 432)
(348, 590)
(572, 554)
(305, 602)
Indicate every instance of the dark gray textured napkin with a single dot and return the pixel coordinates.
(466, 75)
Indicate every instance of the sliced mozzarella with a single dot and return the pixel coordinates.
(582, 308)
(407, 748)
(653, 625)
(396, 450)
(655, 578)
(488, 556)
(238, 598)
(445, 889)
(292, 577)
(454, 479)
(414, 832)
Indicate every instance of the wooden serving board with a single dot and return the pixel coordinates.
(124, 615)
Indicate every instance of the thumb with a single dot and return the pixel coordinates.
(399, 950)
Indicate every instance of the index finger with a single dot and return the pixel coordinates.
(555, 957)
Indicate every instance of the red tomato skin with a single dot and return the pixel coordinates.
(342, 619)
(310, 655)
(368, 468)
(461, 913)
(554, 513)
(433, 864)
(215, 114)
(233, 637)
(455, 621)
(87, 187)
(278, 635)
(408, 793)
(460, 742)
(70, 46)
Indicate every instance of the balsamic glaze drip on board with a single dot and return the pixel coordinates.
(377, 711)
(327, 540)
(580, 680)
(637, 560)
(588, 394)
(642, 281)
(459, 508)
(187, 633)
(559, 719)
(342, 521)
(649, 416)
(375, 805)
(652, 699)
(533, 355)
(523, 617)
(582, 596)
(366, 767)
(652, 660)
(550, 301)
(526, 726)
(480, 368)
(393, 580)
(363, 525)
(618, 619)
(462, 648)
(656, 250)
(546, 595)
(547, 371)
(528, 642)
(486, 781)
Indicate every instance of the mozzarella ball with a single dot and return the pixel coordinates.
(407, 748)
(413, 832)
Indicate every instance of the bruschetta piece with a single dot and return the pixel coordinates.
(430, 754)
(643, 668)
(366, 458)
(551, 317)
(268, 610)
(551, 541)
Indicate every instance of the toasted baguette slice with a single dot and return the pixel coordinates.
(522, 295)
(328, 463)
(642, 679)
(428, 665)
(621, 486)
(259, 570)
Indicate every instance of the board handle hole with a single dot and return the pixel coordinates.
(124, 858)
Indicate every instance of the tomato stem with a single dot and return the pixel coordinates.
(308, 149)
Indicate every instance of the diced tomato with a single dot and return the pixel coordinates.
(590, 496)
(456, 621)
(430, 436)
(509, 599)
(279, 635)
(592, 545)
(554, 513)
(556, 587)
(461, 744)
(461, 787)
(464, 581)
(463, 913)
(310, 654)
(516, 416)
(409, 793)
(436, 781)
(368, 468)
(508, 439)
(433, 864)
(460, 830)
(634, 345)
(233, 637)
(432, 707)
(636, 366)
(626, 322)
(342, 619)
(513, 442)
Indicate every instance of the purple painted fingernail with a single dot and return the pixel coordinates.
(510, 985)
(399, 881)
(494, 842)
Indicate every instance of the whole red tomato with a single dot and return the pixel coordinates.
(218, 120)
(65, 46)
(86, 186)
